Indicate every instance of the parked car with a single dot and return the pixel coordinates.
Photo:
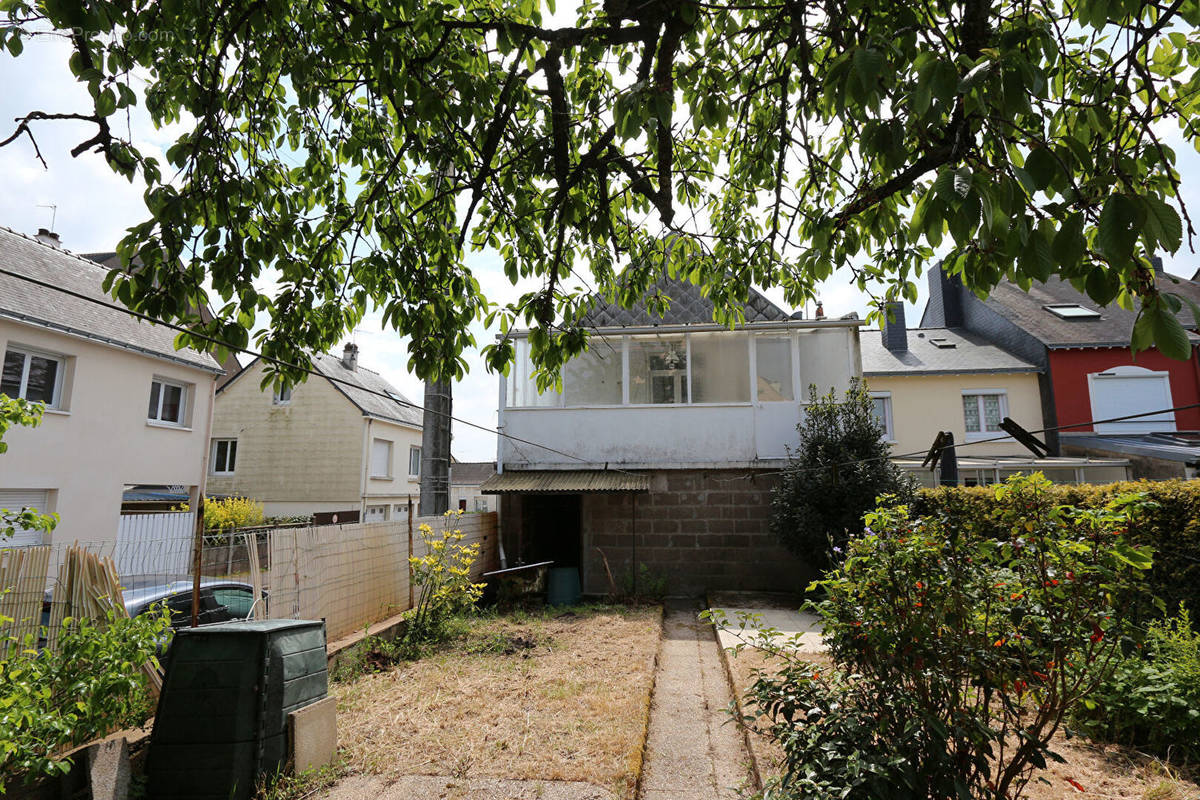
(220, 600)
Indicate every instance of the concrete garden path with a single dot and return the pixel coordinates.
(693, 750)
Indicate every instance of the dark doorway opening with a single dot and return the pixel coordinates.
(552, 529)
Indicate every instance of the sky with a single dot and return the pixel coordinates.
(94, 206)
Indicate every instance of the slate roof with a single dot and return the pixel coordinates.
(1114, 328)
(366, 390)
(688, 306)
(970, 355)
(47, 308)
(471, 473)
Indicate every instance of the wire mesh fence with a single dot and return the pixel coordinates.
(350, 575)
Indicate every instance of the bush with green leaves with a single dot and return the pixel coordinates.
(957, 654)
(90, 684)
(840, 469)
(1152, 699)
(1169, 522)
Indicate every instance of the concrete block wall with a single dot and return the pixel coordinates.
(701, 530)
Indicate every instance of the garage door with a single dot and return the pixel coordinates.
(1122, 391)
(17, 500)
(376, 514)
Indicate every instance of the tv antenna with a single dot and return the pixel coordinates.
(53, 213)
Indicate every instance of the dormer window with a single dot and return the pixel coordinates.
(1072, 311)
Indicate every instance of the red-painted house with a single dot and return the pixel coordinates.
(1088, 371)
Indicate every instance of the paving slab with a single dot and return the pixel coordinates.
(802, 627)
(693, 749)
(434, 787)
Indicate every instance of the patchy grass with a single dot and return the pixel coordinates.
(1105, 772)
(545, 695)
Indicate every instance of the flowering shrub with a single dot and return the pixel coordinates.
(444, 577)
(958, 654)
(232, 513)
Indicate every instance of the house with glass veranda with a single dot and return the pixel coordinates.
(667, 436)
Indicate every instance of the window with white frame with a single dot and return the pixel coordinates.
(414, 462)
(381, 458)
(481, 504)
(33, 376)
(983, 411)
(658, 370)
(224, 456)
(773, 357)
(720, 372)
(282, 396)
(881, 406)
(168, 402)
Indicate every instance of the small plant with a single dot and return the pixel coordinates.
(840, 469)
(958, 654)
(444, 577)
(648, 585)
(21, 412)
(89, 686)
(1152, 699)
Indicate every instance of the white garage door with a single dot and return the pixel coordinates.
(17, 500)
(376, 514)
(1122, 391)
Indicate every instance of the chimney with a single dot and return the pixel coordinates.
(944, 309)
(49, 237)
(820, 312)
(350, 357)
(1156, 262)
(893, 329)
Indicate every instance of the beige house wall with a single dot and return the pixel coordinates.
(309, 455)
(101, 441)
(922, 405)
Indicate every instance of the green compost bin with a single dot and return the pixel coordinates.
(227, 692)
(562, 588)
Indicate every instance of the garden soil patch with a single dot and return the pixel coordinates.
(525, 696)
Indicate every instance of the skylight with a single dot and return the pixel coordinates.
(1072, 311)
(945, 344)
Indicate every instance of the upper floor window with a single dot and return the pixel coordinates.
(224, 456)
(773, 360)
(381, 458)
(658, 370)
(882, 408)
(33, 376)
(983, 411)
(414, 462)
(168, 401)
(282, 396)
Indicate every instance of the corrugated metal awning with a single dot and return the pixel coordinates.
(564, 482)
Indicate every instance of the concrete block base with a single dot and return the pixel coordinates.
(312, 735)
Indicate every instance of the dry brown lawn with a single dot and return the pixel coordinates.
(541, 696)
(1105, 772)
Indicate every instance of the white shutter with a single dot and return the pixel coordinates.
(1123, 391)
(16, 500)
(381, 458)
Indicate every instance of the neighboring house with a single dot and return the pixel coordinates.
(346, 443)
(110, 260)
(667, 439)
(465, 480)
(1087, 370)
(927, 380)
(124, 407)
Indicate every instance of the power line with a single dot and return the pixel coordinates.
(289, 365)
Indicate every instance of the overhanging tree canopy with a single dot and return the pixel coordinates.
(364, 147)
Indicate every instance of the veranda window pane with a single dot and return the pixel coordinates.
(824, 362)
(594, 378)
(522, 384)
(720, 368)
(774, 365)
(43, 373)
(658, 370)
(14, 365)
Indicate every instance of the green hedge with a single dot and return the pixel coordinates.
(1170, 524)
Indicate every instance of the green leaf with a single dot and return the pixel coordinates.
(1167, 332)
(1117, 231)
(1037, 260)
(1069, 243)
(106, 102)
(868, 66)
(1041, 166)
(1164, 220)
(1103, 285)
